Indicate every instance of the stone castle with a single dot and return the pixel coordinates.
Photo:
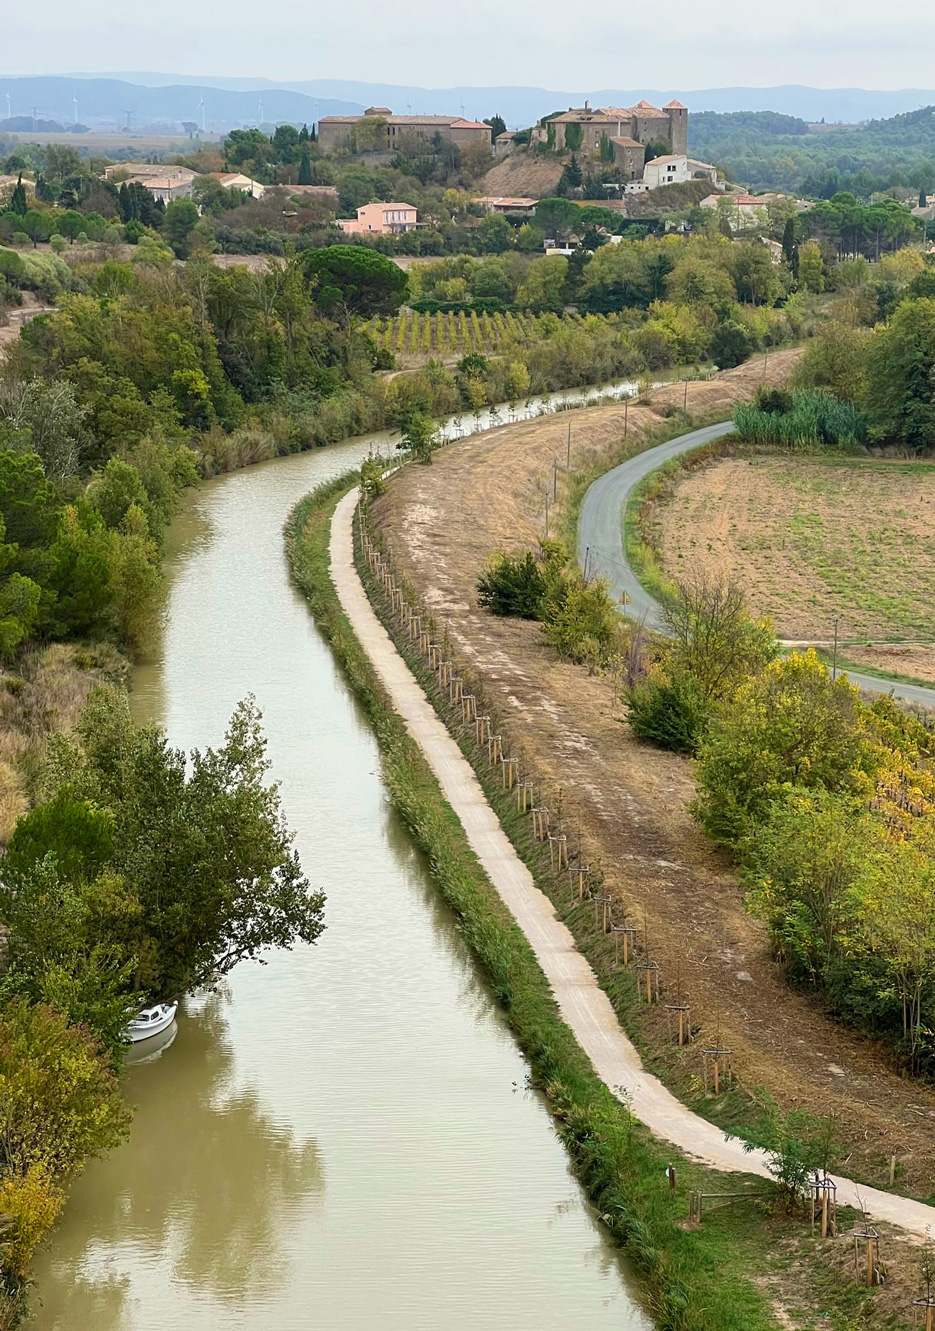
(628, 130)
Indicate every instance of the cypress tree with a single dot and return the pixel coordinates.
(18, 198)
(305, 170)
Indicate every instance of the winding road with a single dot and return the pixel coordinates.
(601, 549)
(583, 1004)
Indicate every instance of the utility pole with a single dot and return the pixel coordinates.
(626, 413)
(568, 460)
(554, 480)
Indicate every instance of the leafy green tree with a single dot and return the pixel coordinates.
(811, 272)
(715, 639)
(497, 126)
(181, 218)
(420, 436)
(54, 419)
(359, 279)
(543, 287)
(200, 843)
(900, 375)
(730, 345)
(71, 224)
(61, 1104)
(789, 725)
(115, 489)
(62, 161)
(802, 863)
(513, 586)
(494, 235)
(36, 225)
(836, 359)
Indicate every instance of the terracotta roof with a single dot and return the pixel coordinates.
(647, 106)
(675, 106)
(627, 143)
(668, 157)
(469, 124)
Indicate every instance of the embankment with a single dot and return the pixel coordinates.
(627, 804)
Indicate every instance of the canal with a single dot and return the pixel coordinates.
(343, 1137)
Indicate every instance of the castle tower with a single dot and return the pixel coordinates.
(678, 127)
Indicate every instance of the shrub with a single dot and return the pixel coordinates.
(668, 712)
(790, 725)
(579, 619)
(511, 586)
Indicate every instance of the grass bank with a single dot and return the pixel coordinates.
(717, 1278)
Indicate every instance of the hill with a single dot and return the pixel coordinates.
(770, 151)
(518, 105)
(108, 102)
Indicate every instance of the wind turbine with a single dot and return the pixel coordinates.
(201, 108)
(259, 113)
(75, 100)
(9, 107)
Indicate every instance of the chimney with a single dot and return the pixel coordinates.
(587, 106)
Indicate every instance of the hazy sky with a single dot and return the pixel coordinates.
(485, 42)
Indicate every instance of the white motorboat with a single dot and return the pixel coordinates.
(151, 1021)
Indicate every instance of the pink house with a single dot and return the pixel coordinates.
(380, 219)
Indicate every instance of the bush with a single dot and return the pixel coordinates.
(730, 345)
(579, 619)
(513, 586)
(668, 712)
(790, 725)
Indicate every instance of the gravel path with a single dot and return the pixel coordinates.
(601, 549)
(583, 1004)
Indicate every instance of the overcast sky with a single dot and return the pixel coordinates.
(485, 42)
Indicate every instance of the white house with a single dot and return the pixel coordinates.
(671, 169)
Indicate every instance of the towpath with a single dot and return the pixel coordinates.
(583, 1004)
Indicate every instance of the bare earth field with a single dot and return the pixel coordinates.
(627, 802)
(812, 540)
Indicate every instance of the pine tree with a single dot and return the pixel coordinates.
(18, 203)
(305, 171)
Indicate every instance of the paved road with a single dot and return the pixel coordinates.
(583, 1004)
(601, 550)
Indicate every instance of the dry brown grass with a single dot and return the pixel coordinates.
(811, 540)
(46, 693)
(628, 802)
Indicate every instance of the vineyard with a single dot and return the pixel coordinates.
(412, 336)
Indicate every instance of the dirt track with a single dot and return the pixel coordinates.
(628, 802)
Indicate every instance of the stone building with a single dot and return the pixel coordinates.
(628, 129)
(379, 130)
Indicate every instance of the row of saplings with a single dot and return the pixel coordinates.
(828, 804)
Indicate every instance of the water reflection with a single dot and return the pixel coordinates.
(244, 1176)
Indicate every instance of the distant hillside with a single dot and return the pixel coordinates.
(518, 105)
(105, 103)
(769, 151)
